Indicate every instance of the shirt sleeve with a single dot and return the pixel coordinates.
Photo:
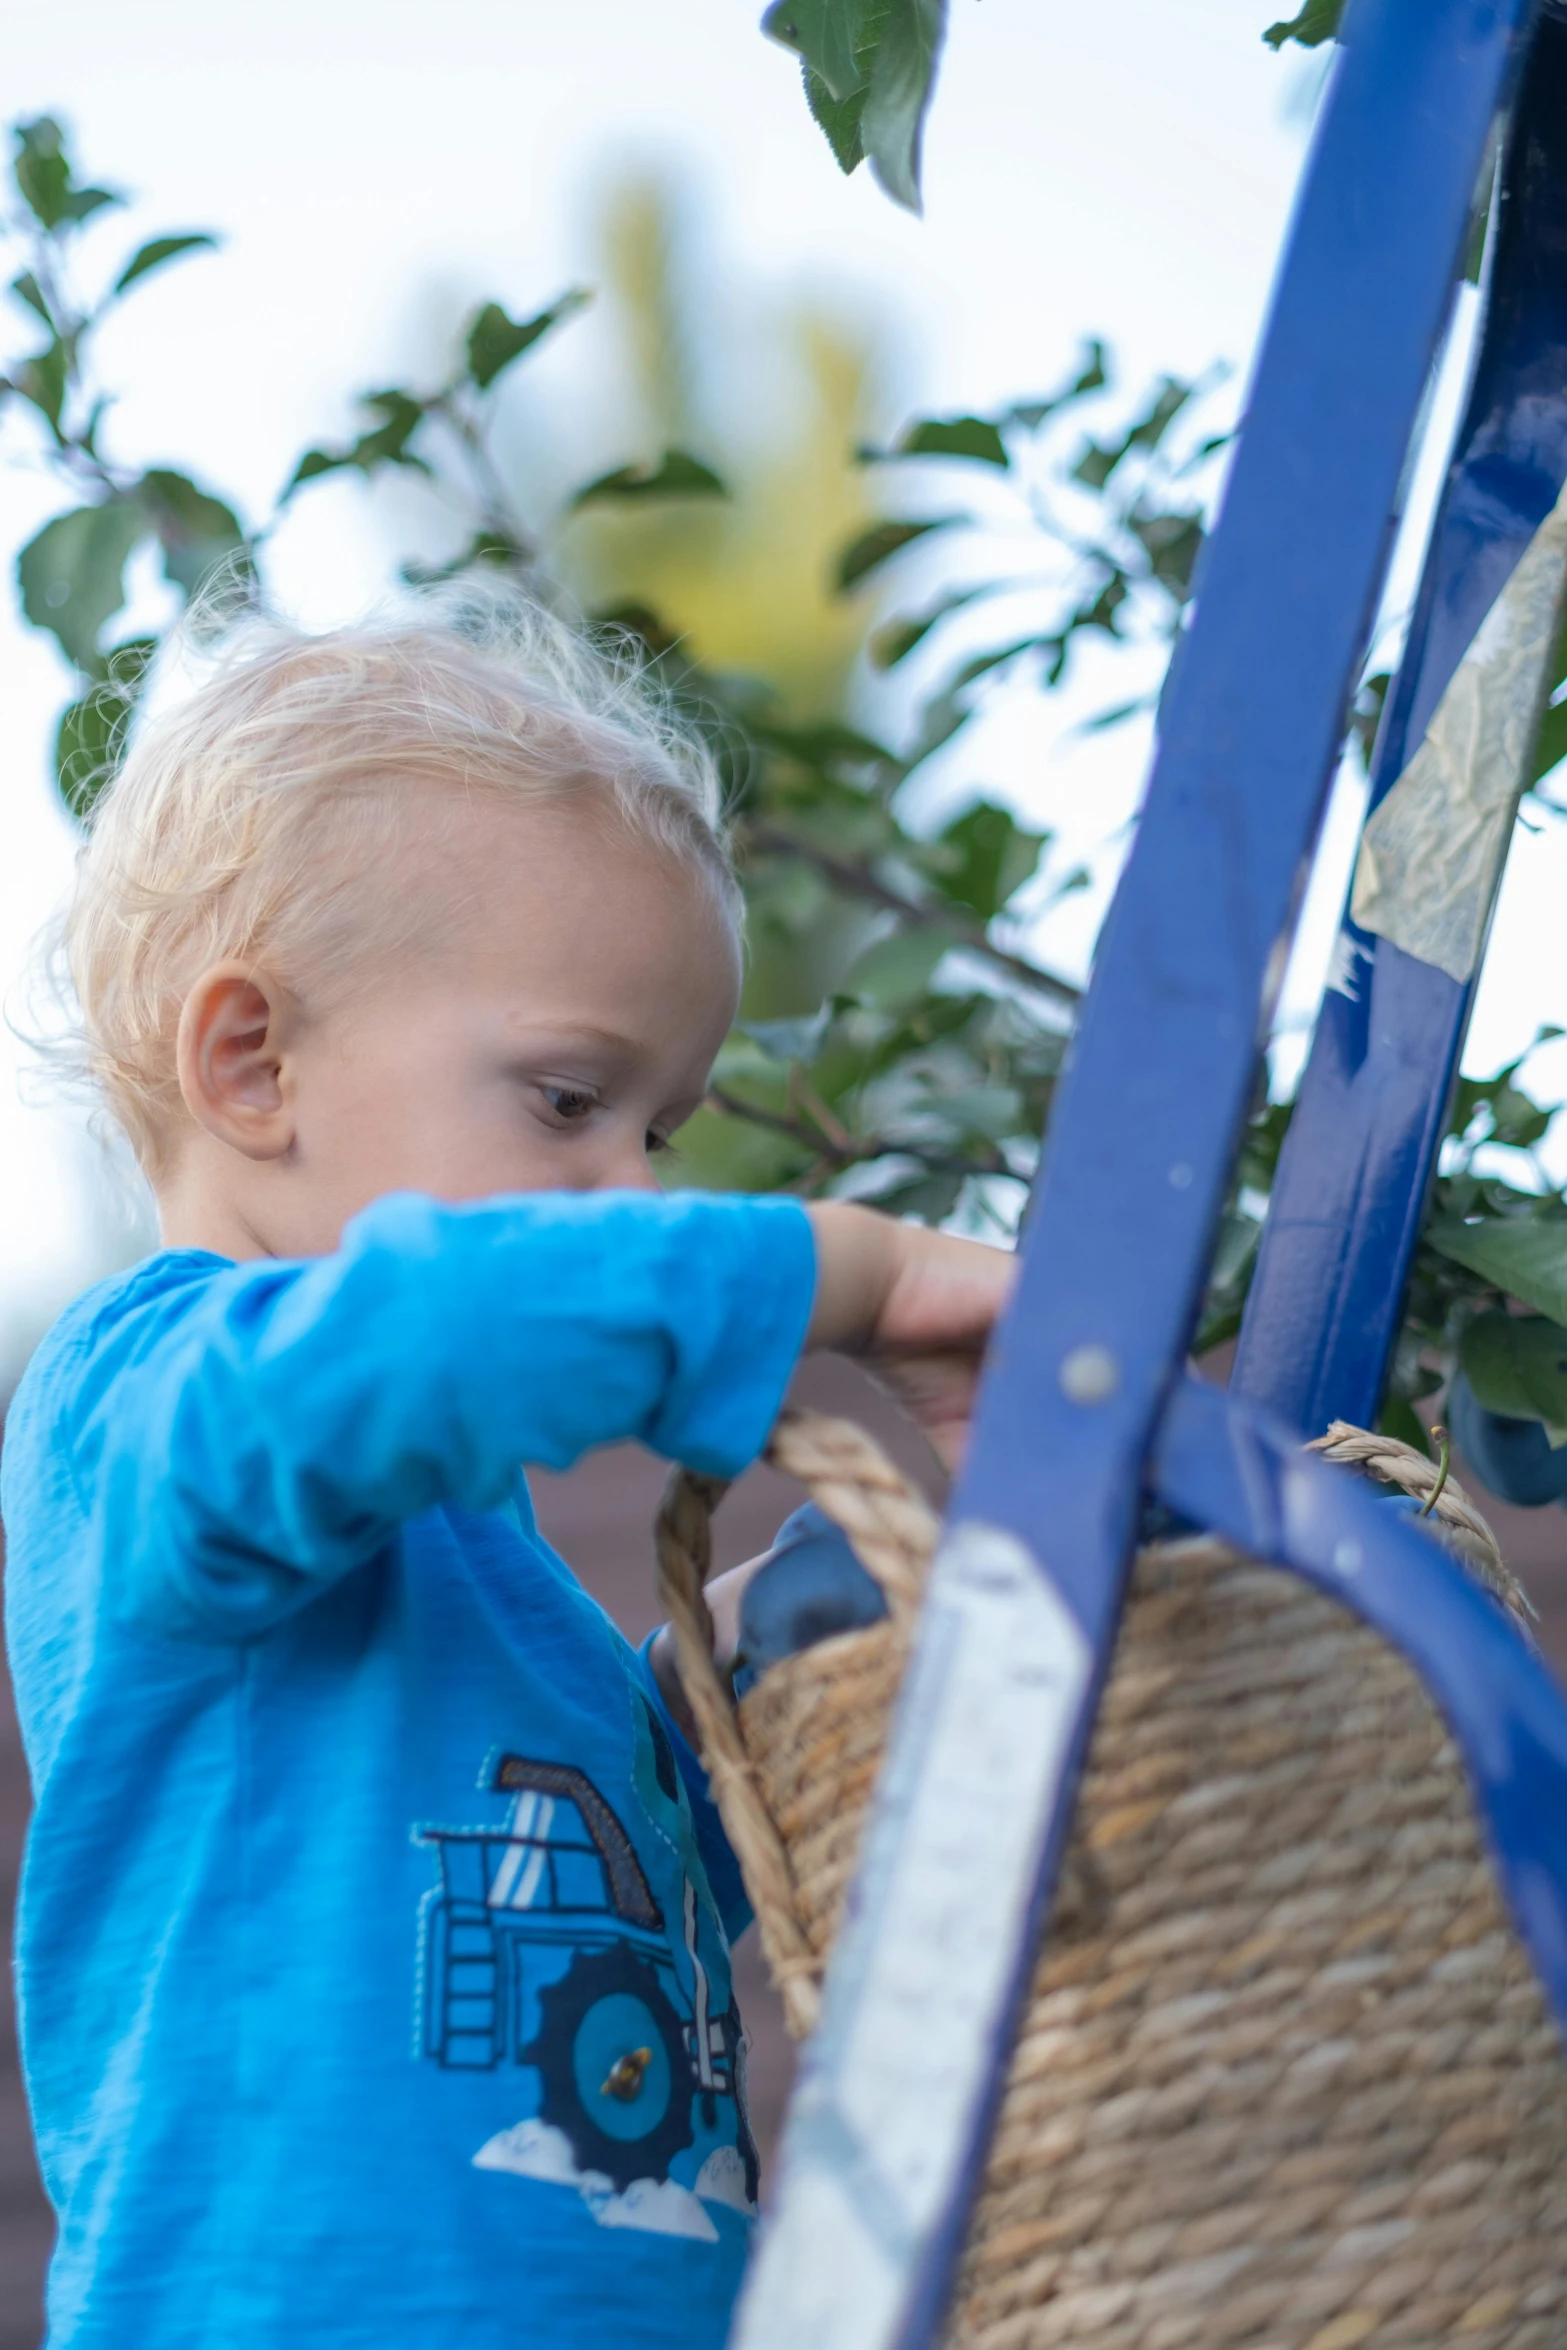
(261, 1431)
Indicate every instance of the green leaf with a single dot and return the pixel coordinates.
(195, 530)
(831, 36)
(41, 170)
(1096, 462)
(156, 252)
(883, 540)
(1517, 1365)
(1317, 22)
(826, 746)
(838, 119)
(84, 758)
(1116, 715)
(931, 1198)
(901, 82)
(1092, 376)
(72, 575)
(790, 1040)
(91, 734)
(385, 443)
(1470, 1096)
(869, 68)
(889, 645)
(1526, 1256)
(896, 971)
(1551, 743)
(983, 858)
(83, 201)
(43, 379)
(1366, 713)
(676, 475)
(1155, 421)
(945, 436)
(1172, 543)
(1101, 612)
(494, 340)
(487, 549)
(719, 1151)
(1510, 1116)
(968, 1114)
(1516, 1120)
(28, 290)
(44, 179)
(1095, 465)
(983, 663)
(940, 719)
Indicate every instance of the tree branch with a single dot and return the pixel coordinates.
(494, 500)
(859, 881)
(851, 1153)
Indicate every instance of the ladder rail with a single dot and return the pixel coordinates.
(1356, 1168)
(897, 2093)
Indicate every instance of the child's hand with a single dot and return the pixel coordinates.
(723, 1595)
(917, 1307)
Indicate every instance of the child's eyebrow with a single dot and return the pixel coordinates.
(568, 1034)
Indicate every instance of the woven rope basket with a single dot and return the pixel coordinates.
(1285, 2079)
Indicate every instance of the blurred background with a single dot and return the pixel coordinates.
(924, 901)
(373, 175)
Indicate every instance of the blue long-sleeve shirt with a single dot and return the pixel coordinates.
(373, 1932)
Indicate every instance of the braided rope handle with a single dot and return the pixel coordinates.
(894, 1534)
(1453, 1514)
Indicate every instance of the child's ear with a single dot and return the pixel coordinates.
(230, 1060)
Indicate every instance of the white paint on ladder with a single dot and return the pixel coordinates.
(886, 2105)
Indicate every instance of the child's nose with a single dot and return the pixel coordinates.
(628, 1170)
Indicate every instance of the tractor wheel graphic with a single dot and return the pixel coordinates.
(612, 2061)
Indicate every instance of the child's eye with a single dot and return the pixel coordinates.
(568, 1102)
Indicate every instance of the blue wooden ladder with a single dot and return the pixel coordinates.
(1088, 1408)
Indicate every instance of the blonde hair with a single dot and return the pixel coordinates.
(247, 818)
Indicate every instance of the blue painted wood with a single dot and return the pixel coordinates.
(1356, 1167)
(1147, 1117)
(1227, 1465)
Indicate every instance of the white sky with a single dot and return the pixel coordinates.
(1125, 170)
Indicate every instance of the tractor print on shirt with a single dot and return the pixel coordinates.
(636, 2040)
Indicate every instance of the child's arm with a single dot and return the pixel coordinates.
(263, 1432)
(273, 1433)
(917, 1307)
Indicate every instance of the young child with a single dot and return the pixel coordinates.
(373, 1945)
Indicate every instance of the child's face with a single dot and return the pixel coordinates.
(552, 1026)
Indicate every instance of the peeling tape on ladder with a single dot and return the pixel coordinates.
(1432, 852)
(882, 2114)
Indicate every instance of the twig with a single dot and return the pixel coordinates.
(495, 503)
(817, 1111)
(832, 1157)
(862, 883)
(1444, 1463)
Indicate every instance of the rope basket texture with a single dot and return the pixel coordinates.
(1285, 2078)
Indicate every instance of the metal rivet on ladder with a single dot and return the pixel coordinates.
(1090, 1374)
